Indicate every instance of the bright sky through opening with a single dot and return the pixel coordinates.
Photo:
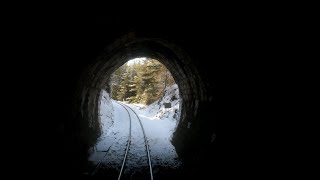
(136, 60)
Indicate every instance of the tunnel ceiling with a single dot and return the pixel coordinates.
(193, 92)
(127, 47)
(73, 55)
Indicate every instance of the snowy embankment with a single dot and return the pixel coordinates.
(106, 113)
(157, 109)
(159, 124)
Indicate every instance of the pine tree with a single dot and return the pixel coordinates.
(124, 87)
(166, 79)
(132, 91)
(149, 81)
(142, 82)
(116, 80)
(137, 83)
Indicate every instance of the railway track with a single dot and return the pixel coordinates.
(128, 109)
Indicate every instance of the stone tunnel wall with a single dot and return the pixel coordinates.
(62, 77)
(192, 131)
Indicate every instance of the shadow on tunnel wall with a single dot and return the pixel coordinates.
(52, 50)
(75, 55)
(193, 93)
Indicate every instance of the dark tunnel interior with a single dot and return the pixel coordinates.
(69, 59)
(59, 58)
(73, 55)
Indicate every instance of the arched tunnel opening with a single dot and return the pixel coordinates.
(188, 79)
(53, 70)
(76, 57)
(148, 88)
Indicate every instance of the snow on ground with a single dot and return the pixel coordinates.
(159, 124)
(156, 109)
(106, 112)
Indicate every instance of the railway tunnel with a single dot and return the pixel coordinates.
(82, 52)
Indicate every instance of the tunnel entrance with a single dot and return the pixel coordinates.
(148, 87)
(192, 91)
(141, 80)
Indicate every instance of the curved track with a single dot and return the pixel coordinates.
(126, 107)
(145, 139)
(128, 145)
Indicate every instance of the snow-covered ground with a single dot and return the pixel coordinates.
(106, 113)
(159, 124)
